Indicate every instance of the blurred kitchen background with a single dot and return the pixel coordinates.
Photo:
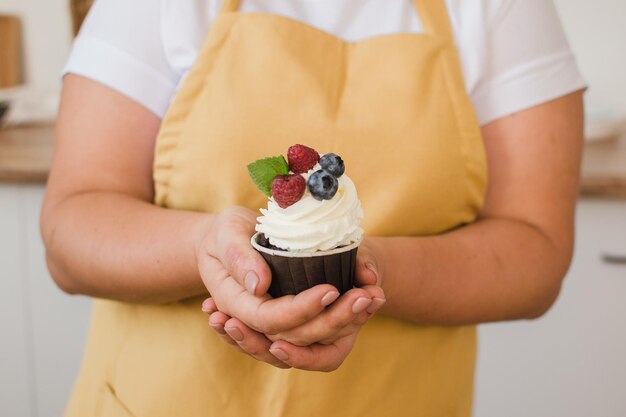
(570, 363)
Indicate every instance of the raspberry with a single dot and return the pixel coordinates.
(288, 189)
(302, 158)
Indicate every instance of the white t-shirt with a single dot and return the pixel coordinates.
(514, 53)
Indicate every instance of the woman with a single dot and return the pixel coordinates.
(148, 204)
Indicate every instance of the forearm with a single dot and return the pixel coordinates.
(494, 269)
(109, 245)
(510, 263)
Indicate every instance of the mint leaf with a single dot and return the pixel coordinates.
(264, 170)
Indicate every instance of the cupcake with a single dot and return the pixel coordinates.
(310, 231)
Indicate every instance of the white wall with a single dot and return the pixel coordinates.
(597, 33)
(46, 36)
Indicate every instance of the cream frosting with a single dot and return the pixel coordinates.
(311, 225)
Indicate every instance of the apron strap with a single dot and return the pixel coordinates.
(434, 17)
(230, 6)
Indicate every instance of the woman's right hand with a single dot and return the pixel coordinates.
(237, 277)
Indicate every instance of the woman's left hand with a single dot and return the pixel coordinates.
(336, 328)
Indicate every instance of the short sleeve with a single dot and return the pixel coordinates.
(528, 60)
(120, 46)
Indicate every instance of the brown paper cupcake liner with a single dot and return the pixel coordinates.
(294, 272)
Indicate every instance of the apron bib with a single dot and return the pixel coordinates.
(395, 108)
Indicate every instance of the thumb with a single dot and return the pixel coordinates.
(246, 265)
(366, 270)
(231, 245)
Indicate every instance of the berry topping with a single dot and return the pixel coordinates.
(302, 158)
(288, 189)
(323, 185)
(264, 170)
(333, 164)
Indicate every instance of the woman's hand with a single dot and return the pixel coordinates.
(233, 272)
(344, 317)
(321, 343)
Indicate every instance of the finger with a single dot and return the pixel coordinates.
(267, 315)
(325, 358)
(208, 306)
(366, 269)
(253, 343)
(212, 274)
(276, 315)
(360, 320)
(217, 321)
(378, 297)
(345, 332)
(235, 252)
(220, 283)
(354, 308)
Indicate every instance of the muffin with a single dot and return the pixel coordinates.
(310, 231)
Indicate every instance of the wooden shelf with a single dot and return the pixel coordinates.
(26, 157)
(26, 153)
(604, 169)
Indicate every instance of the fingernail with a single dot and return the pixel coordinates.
(372, 268)
(234, 333)
(377, 303)
(251, 281)
(280, 354)
(361, 304)
(217, 327)
(329, 298)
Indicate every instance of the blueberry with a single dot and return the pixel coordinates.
(322, 185)
(333, 163)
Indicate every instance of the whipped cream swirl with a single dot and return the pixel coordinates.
(311, 225)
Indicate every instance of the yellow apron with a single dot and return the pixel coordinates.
(395, 108)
